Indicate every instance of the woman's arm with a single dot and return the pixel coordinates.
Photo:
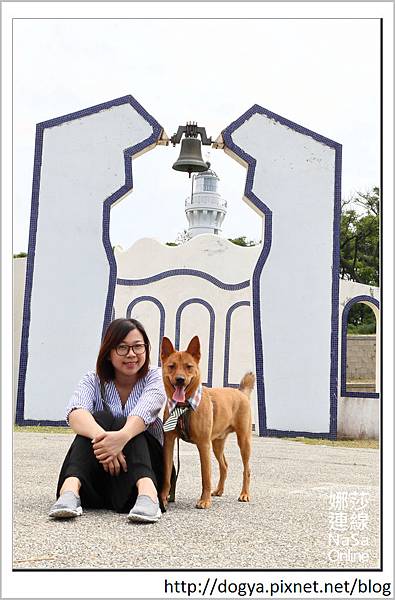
(133, 426)
(79, 417)
(108, 444)
(146, 410)
(83, 423)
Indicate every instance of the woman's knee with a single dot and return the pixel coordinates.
(80, 449)
(104, 419)
(138, 442)
(118, 423)
(108, 421)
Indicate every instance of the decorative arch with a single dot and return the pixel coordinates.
(211, 336)
(375, 305)
(161, 312)
(227, 341)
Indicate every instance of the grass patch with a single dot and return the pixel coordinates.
(41, 429)
(372, 444)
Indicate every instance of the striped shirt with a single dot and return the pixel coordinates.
(145, 400)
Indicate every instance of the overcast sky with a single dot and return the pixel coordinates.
(320, 73)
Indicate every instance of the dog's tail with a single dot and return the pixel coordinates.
(247, 383)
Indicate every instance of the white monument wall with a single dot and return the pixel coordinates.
(294, 179)
(82, 167)
(357, 416)
(281, 298)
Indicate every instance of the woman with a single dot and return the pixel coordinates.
(115, 461)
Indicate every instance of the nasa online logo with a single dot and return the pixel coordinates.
(348, 521)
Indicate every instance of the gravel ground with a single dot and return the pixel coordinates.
(285, 526)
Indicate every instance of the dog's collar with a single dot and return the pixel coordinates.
(192, 401)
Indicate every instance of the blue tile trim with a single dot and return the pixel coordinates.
(161, 311)
(308, 434)
(257, 109)
(176, 272)
(227, 341)
(210, 309)
(128, 154)
(335, 294)
(20, 403)
(343, 377)
(264, 210)
(42, 423)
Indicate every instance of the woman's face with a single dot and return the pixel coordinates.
(132, 359)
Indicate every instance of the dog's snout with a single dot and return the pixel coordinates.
(180, 380)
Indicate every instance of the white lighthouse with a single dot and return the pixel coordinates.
(205, 209)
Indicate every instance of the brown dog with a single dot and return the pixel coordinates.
(219, 412)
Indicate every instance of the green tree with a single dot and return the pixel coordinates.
(359, 238)
(361, 320)
(359, 253)
(242, 241)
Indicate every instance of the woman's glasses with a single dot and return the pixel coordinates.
(123, 349)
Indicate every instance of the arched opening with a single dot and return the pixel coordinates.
(237, 363)
(146, 225)
(361, 320)
(151, 313)
(360, 348)
(196, 317)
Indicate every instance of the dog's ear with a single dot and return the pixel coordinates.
(166, 348)
(194, 348)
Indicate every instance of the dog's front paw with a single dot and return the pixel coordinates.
(244, 497)
(217, 492)
(203, 503)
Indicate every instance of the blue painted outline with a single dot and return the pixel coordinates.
(211, 336)
(193, 272)
(126, 187)
(343, 378)
(227, 341)
(264, 210)
(161, 312)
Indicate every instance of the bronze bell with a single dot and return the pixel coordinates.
(190, 159)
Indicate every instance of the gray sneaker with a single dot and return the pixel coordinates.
(66, 506)
(145, 510)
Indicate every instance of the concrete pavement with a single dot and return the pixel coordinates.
(294, 520)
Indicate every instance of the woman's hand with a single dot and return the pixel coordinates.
(108, 445)
(113, 467)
